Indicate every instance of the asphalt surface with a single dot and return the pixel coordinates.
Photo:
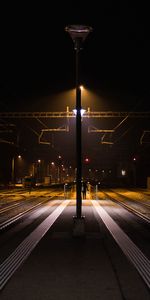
(62, 266)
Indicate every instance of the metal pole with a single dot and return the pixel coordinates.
(134, 174)
(58, 175)
(13, 170)
(78, 140)
(78, 34)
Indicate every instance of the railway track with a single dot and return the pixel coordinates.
(24, 211)
(142, 210)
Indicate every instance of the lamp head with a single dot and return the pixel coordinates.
(78, 34)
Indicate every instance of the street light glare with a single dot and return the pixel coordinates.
(82, 111)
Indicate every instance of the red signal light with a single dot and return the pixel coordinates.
(87, 160)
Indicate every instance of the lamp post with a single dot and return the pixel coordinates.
(13, 167)
(78, 34)
(59, 169)
(13, 170)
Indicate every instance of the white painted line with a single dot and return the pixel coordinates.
(12, 263)
(140, 261)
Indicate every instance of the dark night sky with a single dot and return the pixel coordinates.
(38, 59)
(37, 56)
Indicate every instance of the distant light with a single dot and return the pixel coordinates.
(39, 160)
(82, 111)
(19, 156)
(123, 172)
(81, 87)
(87, 160)
(134, 158)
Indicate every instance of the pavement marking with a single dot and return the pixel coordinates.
(20, 254)
(136, 256)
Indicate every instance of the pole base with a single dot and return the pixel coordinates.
(78, 227)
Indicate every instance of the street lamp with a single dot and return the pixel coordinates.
(13, 170)
(59, 169)
(78, 34)
(13, 167)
